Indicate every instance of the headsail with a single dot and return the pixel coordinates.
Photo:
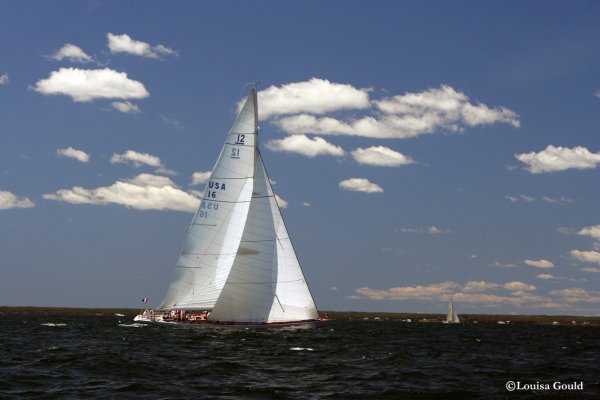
(216, 230)
(266, 283)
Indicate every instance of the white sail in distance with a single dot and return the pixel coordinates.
(452, 316)
(238, 259)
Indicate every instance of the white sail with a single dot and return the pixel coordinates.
(266, 283)
(216, 230)
(452, 316)
(238, 260)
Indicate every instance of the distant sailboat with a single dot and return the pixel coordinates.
(238, 267)
(452, 316)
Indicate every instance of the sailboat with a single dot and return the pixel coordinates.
(452, 316)
(238, 267)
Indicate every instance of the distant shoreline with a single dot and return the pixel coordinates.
(342, 315)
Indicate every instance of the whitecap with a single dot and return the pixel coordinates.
(301, 349)
(134, 325)
(52, 324)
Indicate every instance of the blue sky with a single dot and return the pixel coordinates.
(421, 150)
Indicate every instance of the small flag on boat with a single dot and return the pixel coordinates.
(145, 300)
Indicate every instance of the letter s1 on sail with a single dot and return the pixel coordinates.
(238, 262)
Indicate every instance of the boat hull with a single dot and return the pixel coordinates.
(310, 324)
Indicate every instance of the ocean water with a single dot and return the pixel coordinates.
(68, 357)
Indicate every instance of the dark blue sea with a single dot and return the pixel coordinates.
(68, 357)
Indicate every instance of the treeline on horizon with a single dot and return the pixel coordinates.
(341, 315)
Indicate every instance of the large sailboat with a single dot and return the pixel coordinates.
(238, 267)
(452, 316)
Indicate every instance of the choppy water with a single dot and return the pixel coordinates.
(55, 357)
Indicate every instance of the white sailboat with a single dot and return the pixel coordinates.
(238, 267)
(452, 316)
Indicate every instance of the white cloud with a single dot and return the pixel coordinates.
(136, 159)
(404, 116)
(126, 107)
(199, 178)
(428, 292)
(586, 256)
(546, 276)
(478, 286)
(305, 146)
(380, 156)
(559, 201)
(590, 269)
(539, 263)
(9, 200)
(87, 85)
(360, 185)
(72, 53)
(517, 286)
(306, 204)
(554, 159)
(144, 192)
(125, 44)
(315, 96)
(281, 202)
(172, 122)
(4, 79)
(503, 265)
(545, 199)
(591, 231)
(576, 295)
(431, 230)
(70, 152)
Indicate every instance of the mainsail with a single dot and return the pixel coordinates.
(238, 259)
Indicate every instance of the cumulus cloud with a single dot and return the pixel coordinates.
(4, 79)
(380, 156)
(199, 178)
(144, 192)
(478, 286)
(136, 159)
(576, 295)
(404, 116)
(539, 263)
(360, 185)
(281, 202)
(315, 96)
(472, 292)
(590, 269)
(9, 200)
(517, 286)
(71, 53)
(70, 152)
(86, 85)
(125, 44)
(553, 159)
(591, 231)
(427, 292)
(546, 276)
(126, 107)
(586, 256)
(305, 146)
